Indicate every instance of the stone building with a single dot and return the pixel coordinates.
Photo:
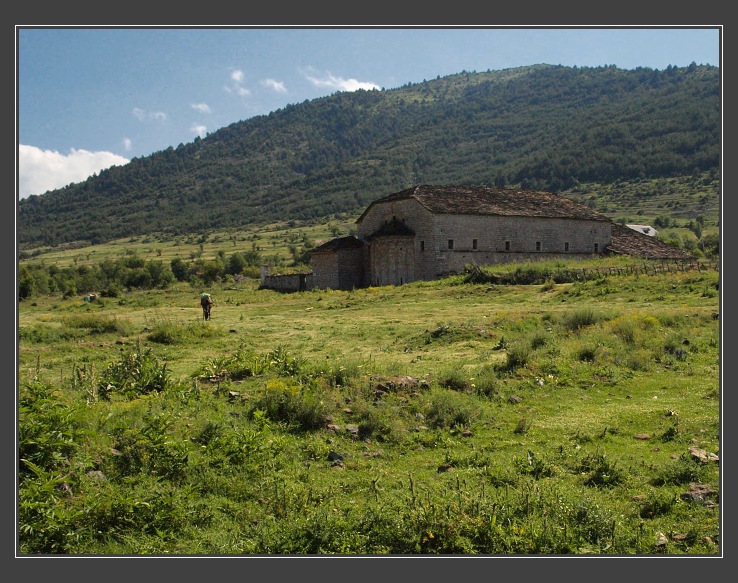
(427, 232)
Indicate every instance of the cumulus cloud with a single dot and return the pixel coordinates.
(143, 115)
(202, 107)
(199, 130)
(237, 77)
(43, 170)
(278, 86)
(329, 81)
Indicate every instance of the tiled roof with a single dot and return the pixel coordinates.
(338, 244)
(393, 228)
(627, 241)
(484, 200)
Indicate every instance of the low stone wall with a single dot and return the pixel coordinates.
(286, 282)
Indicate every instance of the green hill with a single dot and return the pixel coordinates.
(542, 127)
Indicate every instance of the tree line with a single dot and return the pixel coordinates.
(112, 277)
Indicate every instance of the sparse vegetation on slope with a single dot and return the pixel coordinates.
(543, 127)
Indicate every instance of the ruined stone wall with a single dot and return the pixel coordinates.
(287, 282)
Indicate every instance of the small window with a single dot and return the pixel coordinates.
(597, 247)
(474, 243)
(566, 246)
(422, 245)
(450, 243)
(538, 245)
(507, 245)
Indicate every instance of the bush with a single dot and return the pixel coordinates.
(138, 373)
(449, 409)
(48, 430)
(602, 472)
(681, 471)
(517, 357)
(299, 408)
(579, 319)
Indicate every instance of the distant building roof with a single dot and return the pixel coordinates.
(645, 229)
(485, 200)
(337, 244)
(626, 241)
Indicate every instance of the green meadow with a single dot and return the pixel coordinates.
(504, 411)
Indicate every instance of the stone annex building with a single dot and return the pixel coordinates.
(428, 232)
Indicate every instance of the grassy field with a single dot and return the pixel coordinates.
(438, 417)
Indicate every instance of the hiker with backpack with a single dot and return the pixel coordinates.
(206, 301)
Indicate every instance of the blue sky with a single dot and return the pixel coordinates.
(89, 98)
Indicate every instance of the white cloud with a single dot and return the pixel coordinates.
(127, 144)
(202, 107)
(143, 115)
(329, 81)
(278, 86)
(43, 170)
(237, 77)
(199, 130)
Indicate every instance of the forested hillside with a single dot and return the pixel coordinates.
(542, 127)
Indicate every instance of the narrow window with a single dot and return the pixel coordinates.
(538, 245)
(450, 243)
(507, 245)
(422, 245)
(474, 243)
(597, 247)
(566, 246)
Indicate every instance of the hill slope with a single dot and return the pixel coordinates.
(542, 127)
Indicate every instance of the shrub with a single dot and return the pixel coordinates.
(300, 408)
(586, 354)
(517, 357)
(48, 430)
(148, 450)
(681, 471)
(539, 340)
(530, 464)
(138, 373)
(579, 319)
(602, 472)
(454, 379)
(284, 363)
(656, 504)
(448, 409)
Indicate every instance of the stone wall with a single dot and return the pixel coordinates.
(287, 282)
(483, 240)
(340, 269)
